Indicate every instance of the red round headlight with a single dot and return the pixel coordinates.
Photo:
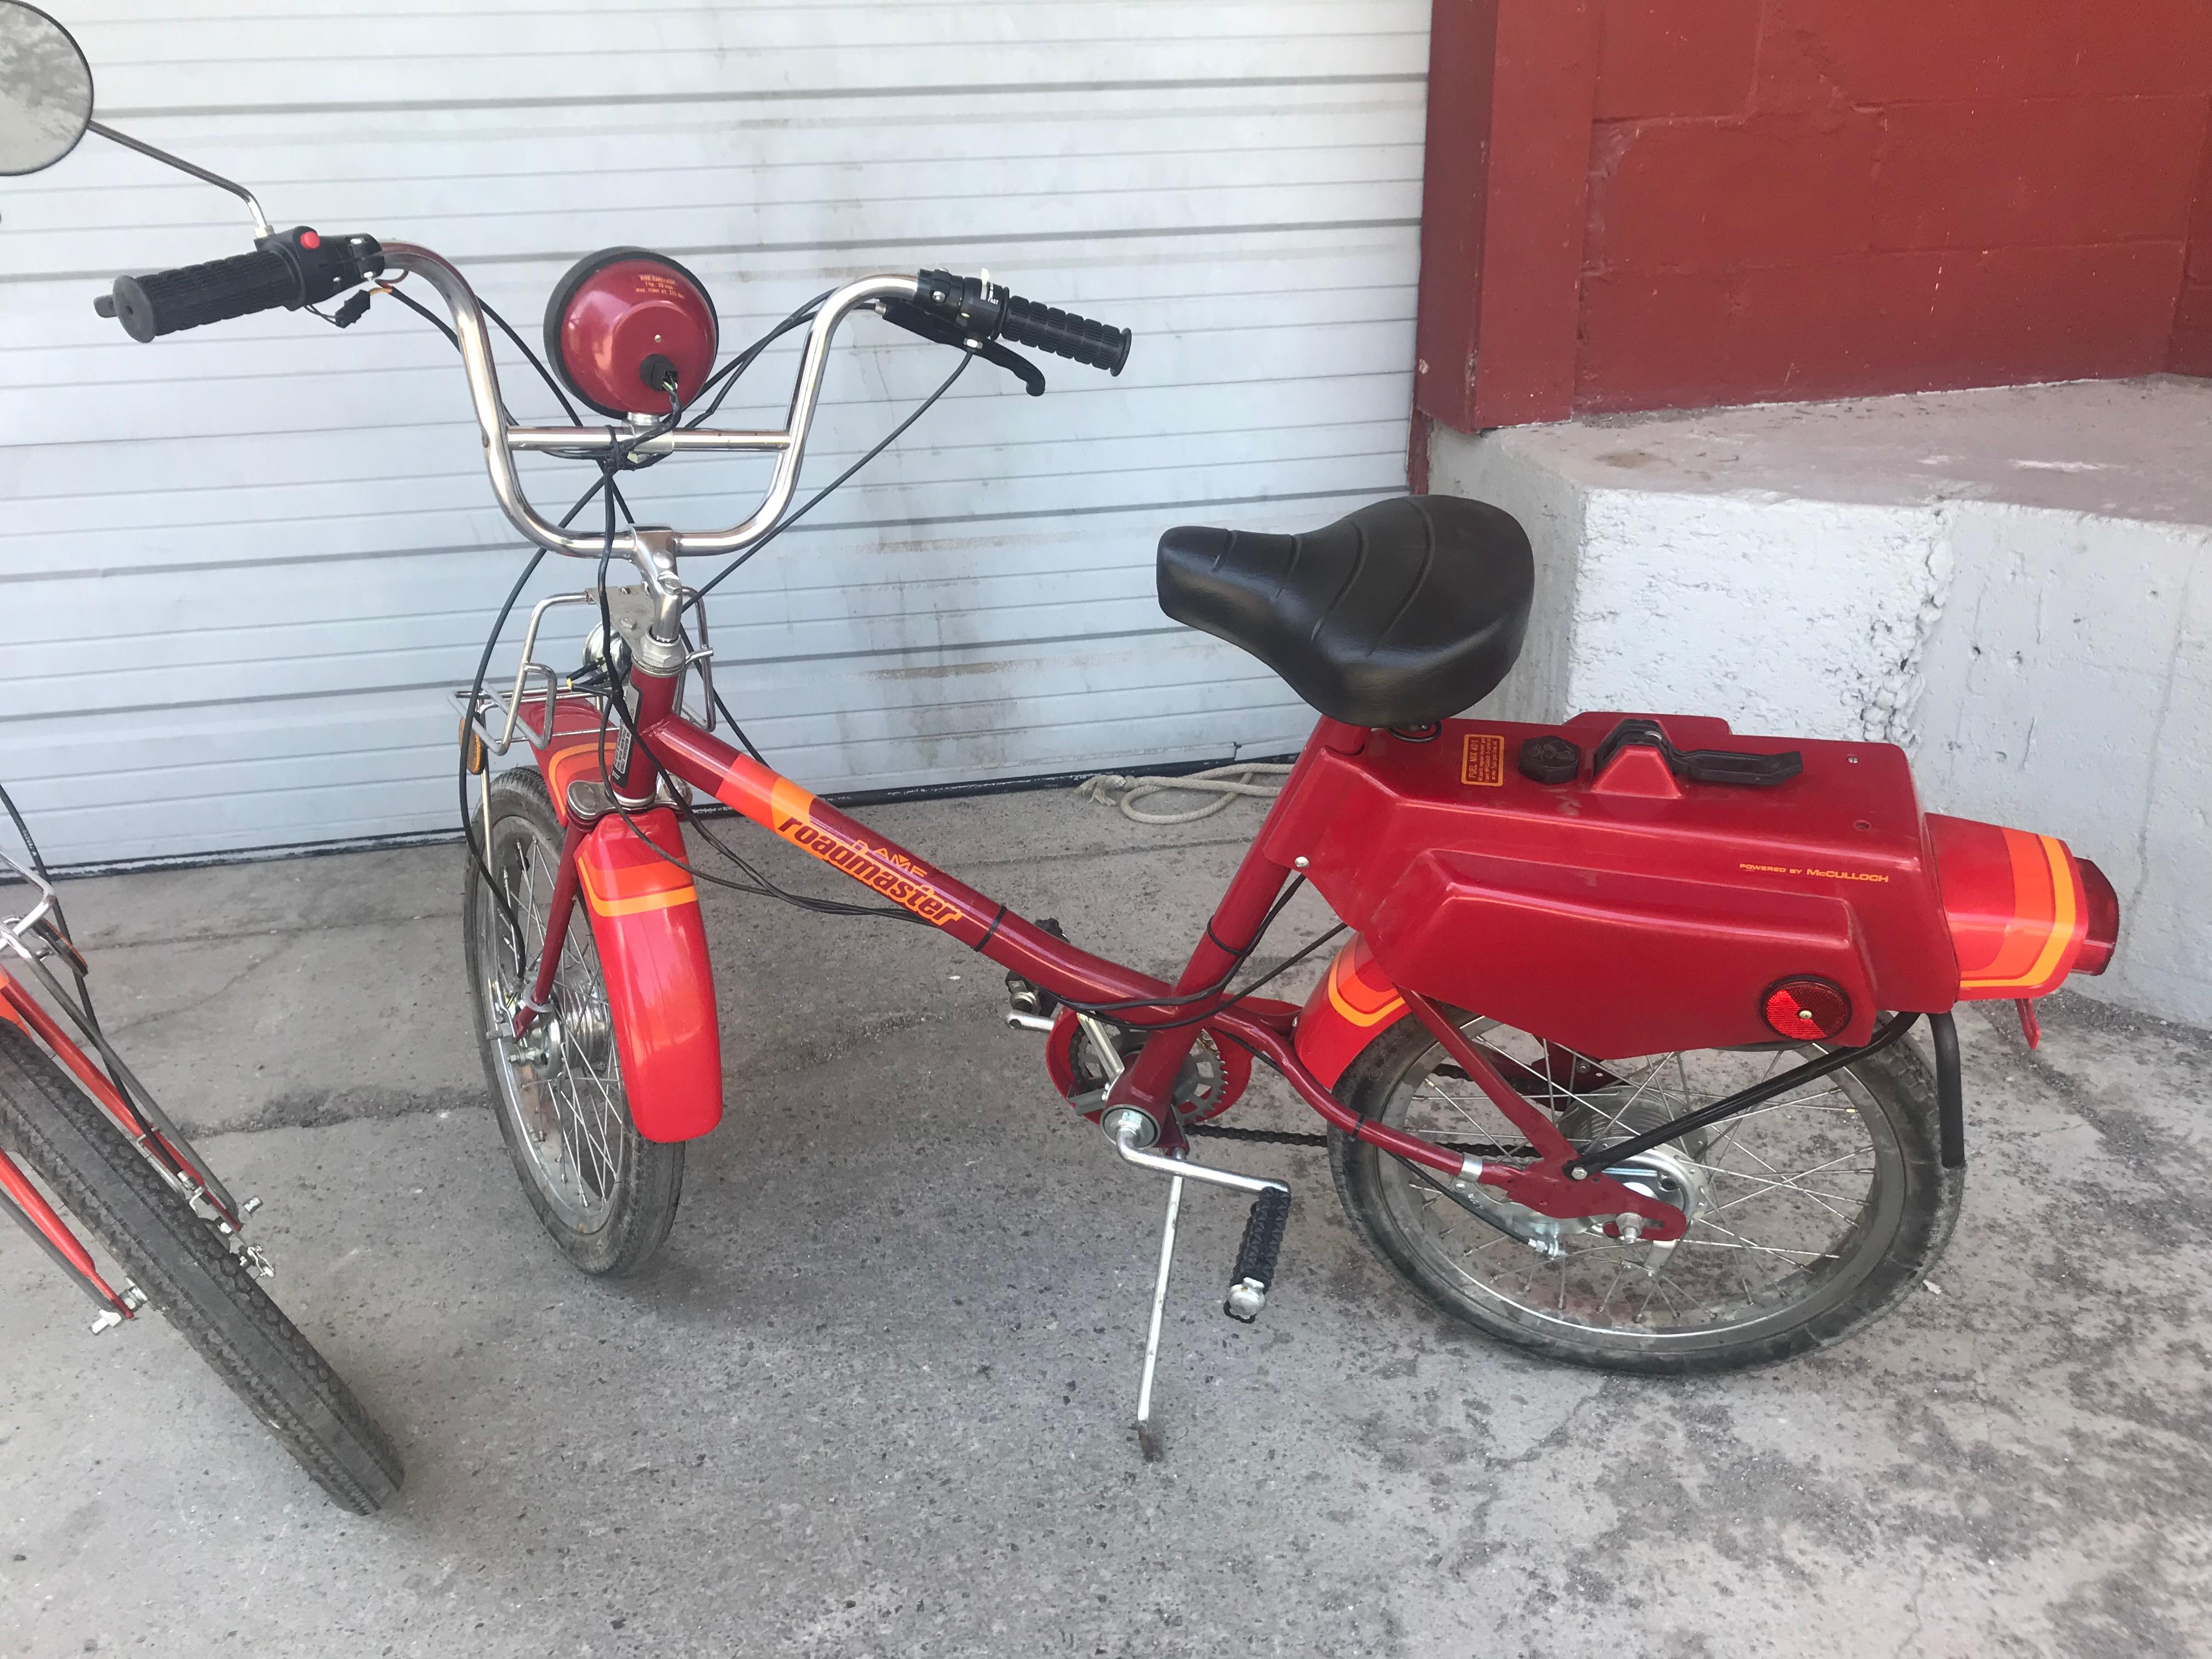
(621, 321)
(1805, 1007)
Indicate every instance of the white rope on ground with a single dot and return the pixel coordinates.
(1224, 783)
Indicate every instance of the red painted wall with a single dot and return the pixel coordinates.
(1816, 199)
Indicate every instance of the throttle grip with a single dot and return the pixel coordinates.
(979, 309)
(164, 302)
(1100, 346)
(286, 271)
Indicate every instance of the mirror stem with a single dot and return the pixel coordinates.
(260, 219)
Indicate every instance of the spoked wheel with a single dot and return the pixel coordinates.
(606, 1194)
(189, 1273)
(1808, 1215)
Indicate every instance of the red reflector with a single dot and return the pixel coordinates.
(308, 238)
(1806, 1007)
(2102, 932)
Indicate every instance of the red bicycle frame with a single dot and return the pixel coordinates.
(1727, 916)
(644, 917)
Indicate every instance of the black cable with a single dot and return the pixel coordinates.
(476, 690)
(530, 357)
(23, 829)
(617, 703)
(1229, 1001)
(746, 742)
(617, 459)
(427, 316)
(890, 438)
(728, 374)
(1187, 999)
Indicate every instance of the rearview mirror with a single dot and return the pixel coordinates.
(46, 90)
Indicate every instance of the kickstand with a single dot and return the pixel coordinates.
(1148, 1437)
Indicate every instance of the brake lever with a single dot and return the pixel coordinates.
(930, 326)
(1013, 362)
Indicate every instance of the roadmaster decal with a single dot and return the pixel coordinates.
(899, 879)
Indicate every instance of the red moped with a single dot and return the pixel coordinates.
(1610, 1059)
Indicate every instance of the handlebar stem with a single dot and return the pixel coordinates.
(653, 551)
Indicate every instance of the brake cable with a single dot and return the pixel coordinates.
(621, 458)
(618, 701)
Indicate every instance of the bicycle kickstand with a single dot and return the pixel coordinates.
(1256, 1258)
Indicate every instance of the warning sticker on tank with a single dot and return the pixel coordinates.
(1483, 760)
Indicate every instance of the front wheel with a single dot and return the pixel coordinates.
(191, 1276)
(1809, 1216)
(607, 1194)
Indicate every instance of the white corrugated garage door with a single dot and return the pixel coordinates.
(241, 566)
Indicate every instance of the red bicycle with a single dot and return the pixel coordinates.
(1613, 1065)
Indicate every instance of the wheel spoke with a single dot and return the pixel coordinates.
(1777, 1197)
(568, 1105)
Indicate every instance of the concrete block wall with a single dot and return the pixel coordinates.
(2015, 585)
(1635, 204)
(1799, 199)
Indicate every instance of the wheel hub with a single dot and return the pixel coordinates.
(1670, 1174)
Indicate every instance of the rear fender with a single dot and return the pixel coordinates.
(1354, 1004)
(651, 943)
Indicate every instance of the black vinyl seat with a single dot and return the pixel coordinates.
(1400, 613)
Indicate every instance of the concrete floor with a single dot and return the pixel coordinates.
(875, 1397)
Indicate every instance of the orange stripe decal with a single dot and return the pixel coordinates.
(2035, 943)
(788, 800)
(606, 904)
(1357, 1016)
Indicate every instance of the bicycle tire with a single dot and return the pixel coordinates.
(189, 1274)
(1919, 1203)
(642, 1180)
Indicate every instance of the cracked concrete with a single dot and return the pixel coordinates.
(875, 1397)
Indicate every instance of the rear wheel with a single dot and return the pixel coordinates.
(606, 1194)
(188, 1273)
(1809, 1216)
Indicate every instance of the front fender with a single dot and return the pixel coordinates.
(660, 985)
(651, 941)
(1354, 1004)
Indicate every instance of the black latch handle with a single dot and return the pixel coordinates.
(1698, 765)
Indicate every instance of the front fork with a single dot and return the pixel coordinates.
(565, 883)
(51, 1233)
(635, 776)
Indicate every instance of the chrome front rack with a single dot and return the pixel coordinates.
(15, 931)
(497, 718)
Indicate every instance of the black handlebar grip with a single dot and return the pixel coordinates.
(1065, 334)
(166, 300)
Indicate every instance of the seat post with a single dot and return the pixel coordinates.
(1252, 891)
(1343, 738)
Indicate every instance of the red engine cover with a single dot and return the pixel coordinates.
(618, 307)
(1624, 921)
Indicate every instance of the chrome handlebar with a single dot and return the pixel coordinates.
(653, 551)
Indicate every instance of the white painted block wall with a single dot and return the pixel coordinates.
(2015, 585)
